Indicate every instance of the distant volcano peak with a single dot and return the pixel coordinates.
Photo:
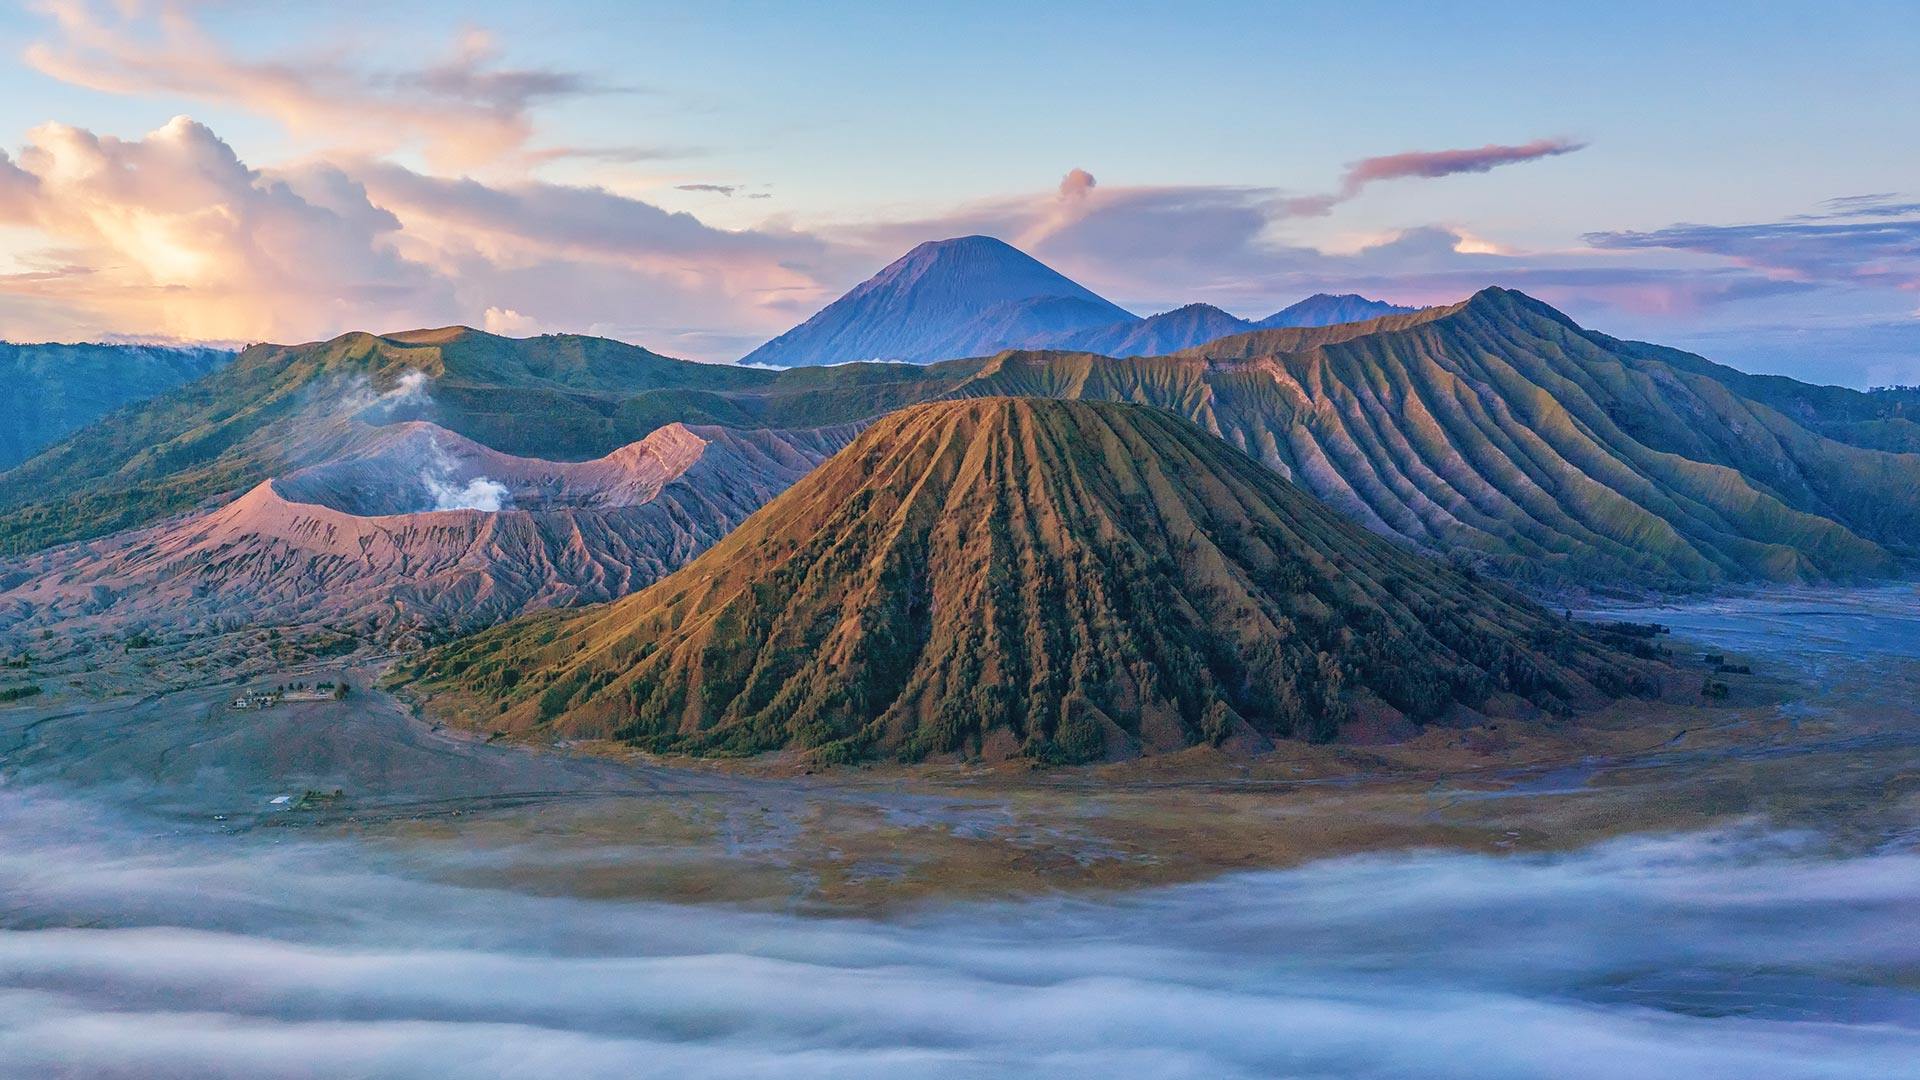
(1331, 309)
(962, 296)
(978, 295)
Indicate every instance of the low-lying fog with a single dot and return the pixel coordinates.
(139, 945)
(145, 953)
(1812, 629)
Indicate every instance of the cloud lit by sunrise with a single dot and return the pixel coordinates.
(1470, 244)
(468, 176)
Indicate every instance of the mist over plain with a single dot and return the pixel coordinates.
(141, 949)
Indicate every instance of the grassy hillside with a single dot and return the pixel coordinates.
(1557, 455)
(276, 408)
(161, 456)
(1060, 580)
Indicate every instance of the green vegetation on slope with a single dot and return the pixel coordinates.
(1560, 456)
(1011, 576)
(166, 455)
(276, 408)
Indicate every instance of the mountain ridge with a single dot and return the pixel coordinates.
(1501, 428)
(1330, 309)
(1497, 428)
(1155, 335)
(1005, 577)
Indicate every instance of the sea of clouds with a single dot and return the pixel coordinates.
(130, 950)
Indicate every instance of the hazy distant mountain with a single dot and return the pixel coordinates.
(1156, 335)
(1063, 581)
(1325, 309)
(968, 296)
(1196, 325)
(1294, 339)
(1030, 323)
(47, 391)
(974, 296)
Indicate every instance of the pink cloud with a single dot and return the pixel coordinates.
(173, 235)
(1433, 164)
(465, 109)
(1428, 165)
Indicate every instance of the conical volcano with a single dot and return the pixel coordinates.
(968, 296)
(1011, 576)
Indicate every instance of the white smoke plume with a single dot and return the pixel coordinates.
(409, 393)
(409, 396)
(480, 493)
(451, 492)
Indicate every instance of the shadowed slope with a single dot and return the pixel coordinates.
(1887, 418)
(48, 391)
(1065, 580)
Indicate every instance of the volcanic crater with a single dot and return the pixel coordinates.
(416, 530)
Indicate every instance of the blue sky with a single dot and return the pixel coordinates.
(525, 167)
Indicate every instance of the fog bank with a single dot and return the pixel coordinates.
(137, 951)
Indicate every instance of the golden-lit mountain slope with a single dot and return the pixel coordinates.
(1065, 580)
